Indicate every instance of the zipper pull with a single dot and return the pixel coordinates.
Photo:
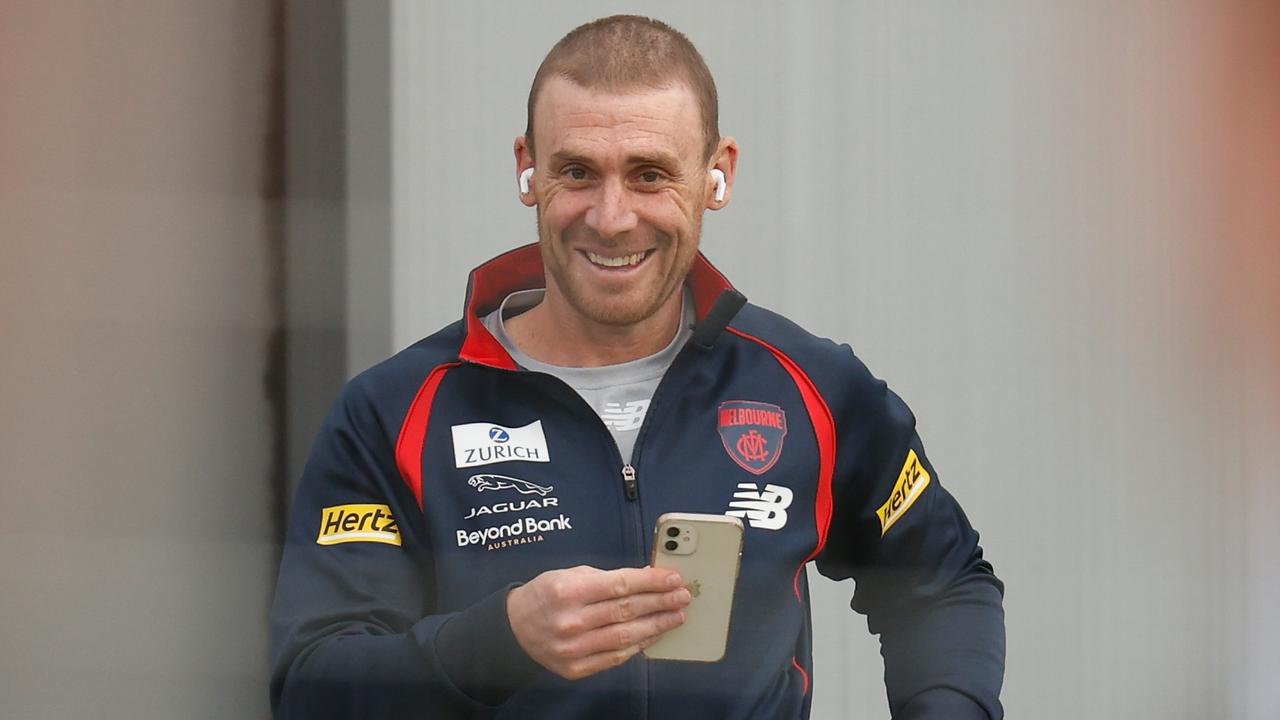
(629, 482)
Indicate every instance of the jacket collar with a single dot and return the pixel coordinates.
(714, 300)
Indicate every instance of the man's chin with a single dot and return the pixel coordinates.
(617, 316)
(617, 312)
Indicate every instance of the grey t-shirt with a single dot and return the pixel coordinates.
(620, 394)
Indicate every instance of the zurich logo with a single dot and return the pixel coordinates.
(498, 435)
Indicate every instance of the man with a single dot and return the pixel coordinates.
(471, 534)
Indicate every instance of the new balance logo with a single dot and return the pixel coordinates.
(624, 417)
(765, 509)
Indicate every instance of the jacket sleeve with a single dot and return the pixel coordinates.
(919, 572)
(354, 632)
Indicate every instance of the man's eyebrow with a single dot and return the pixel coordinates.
(564, 156)
(656, 158)
(660, 159)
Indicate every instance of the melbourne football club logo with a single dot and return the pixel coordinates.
(752, 433)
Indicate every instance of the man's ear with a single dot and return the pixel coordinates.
(725, 159)
(524, 164)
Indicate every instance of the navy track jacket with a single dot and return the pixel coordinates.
(445, 475)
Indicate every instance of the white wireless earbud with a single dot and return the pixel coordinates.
(524, 180)
(718, 176)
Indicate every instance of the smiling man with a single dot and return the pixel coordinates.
(624, 180)
(471, 533)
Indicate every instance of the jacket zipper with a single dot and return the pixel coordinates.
(629, 482)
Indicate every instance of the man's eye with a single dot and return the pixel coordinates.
(576, 173)
(650, 176)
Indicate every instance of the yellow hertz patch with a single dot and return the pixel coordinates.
(358, 523)
(911, 484)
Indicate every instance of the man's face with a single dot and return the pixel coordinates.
(621, 185)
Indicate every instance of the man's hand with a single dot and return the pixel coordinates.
(580, 621)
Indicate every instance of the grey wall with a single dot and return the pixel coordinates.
(316, 216)
(136, 536)
(1026, 217)
(370, 108)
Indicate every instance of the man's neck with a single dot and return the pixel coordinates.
(561, 336)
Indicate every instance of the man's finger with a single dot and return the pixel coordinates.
(631, 607)
(618, 583)
(587, 666)
(620, 636)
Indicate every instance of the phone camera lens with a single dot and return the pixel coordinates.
(673, 531)
(671, 545)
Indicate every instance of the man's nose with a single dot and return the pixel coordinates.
(611, 213)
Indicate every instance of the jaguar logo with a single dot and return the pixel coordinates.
(484, 482)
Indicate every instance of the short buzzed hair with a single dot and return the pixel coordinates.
(626, 52)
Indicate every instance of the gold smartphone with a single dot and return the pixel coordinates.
(707, 551)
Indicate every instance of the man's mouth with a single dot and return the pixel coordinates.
(620, 261)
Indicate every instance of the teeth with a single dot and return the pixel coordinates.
(623, 261)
